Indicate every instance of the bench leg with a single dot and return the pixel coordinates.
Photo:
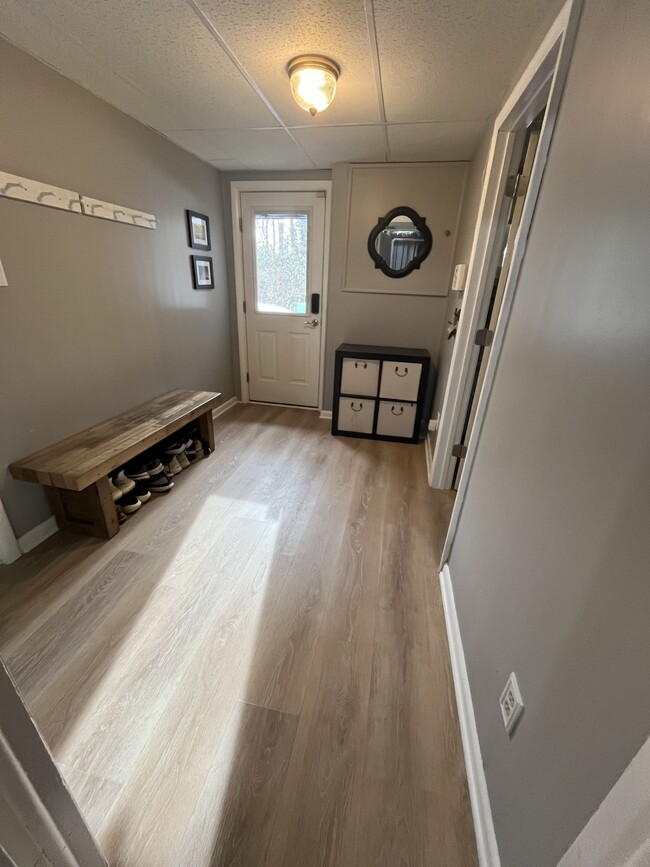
(91, 511)
(206, 429)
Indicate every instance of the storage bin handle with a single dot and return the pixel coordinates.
(356, 410)
(356, 364)
(397, 373)
(401, 410)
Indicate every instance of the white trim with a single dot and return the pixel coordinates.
(326, 414)
(282, 405)
(9, 549)
(486, 841)
(37, 534)
(237, 187)
(549, 64)
(224, 407)
(427, 452)
(557, 46)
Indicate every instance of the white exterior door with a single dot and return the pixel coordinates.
(283, 237)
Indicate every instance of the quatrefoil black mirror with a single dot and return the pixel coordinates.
(400, 242)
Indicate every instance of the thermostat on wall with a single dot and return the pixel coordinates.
(458, 283)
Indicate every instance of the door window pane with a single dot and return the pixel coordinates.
(281, 242)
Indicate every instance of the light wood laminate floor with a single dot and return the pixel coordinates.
(255, 671)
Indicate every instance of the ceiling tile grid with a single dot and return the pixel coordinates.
(211, 74)
(265, 35)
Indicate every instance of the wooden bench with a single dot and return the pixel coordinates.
(74, 471)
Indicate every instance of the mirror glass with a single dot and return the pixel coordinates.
(399, 242)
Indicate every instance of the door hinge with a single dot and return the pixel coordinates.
(241, 225)
(484, 337)
(244, 306)
(459, 451)
(248, 377)
(516, 186)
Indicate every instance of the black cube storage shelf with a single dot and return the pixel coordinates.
(382, 392)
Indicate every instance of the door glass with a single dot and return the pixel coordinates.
(281, 243)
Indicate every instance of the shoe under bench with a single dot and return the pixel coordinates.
(74, 472)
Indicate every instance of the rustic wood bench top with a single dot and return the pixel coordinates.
(79, 460)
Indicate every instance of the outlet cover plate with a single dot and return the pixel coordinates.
(511, 703)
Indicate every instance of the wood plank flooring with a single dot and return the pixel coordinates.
(255, 671)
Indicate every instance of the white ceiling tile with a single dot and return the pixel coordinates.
(159, 47)
(260, 148)
(157, 61)
(434, 141)
(266, 34)
(451, 61)
(329, 145)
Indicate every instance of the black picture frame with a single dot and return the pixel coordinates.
(419, 222)
(198, 272)
(198, 230)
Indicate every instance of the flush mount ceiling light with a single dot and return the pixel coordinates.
(313, 81)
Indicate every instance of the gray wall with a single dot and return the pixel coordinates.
(98, 316)
(550, 564)
(226, 178)
(391, 320)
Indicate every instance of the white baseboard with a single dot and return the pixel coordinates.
(224, 407)
(486, 842)
(325, 413)
(37, 534)
(428, 454)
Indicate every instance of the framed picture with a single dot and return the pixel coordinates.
(202, 272)
(198, 228)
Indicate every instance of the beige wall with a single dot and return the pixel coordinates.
(550, 563)
(98, 316)
(386, 319)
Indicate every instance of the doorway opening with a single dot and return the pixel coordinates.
(524, 152)
(281, 233)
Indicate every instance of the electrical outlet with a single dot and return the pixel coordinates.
(512, 704)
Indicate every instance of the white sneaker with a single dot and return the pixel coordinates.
(115, 492)
(174, 466)
(183, 461)
(123, 482)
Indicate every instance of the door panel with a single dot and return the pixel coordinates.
(283, 244)
(267, 353)
(299, 356)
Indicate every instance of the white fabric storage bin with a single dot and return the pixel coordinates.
(396, 419)
(356, 415)
(359, 376)
(400, 380)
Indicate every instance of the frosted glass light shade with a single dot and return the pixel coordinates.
(313, 82)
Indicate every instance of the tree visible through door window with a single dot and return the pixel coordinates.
(281, 243)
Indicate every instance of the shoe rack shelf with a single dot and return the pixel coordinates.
(75, 471)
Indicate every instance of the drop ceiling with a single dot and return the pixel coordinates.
(418, 79)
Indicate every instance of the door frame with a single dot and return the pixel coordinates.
(236, 188)
(541, 83)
